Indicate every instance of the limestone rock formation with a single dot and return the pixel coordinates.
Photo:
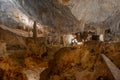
(58, 15)
(57, 18)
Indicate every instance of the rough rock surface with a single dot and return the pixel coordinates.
(82, 64)
(59, 15)
(20, 56)
(94, 10)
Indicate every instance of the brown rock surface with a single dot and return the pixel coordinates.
(82, 64)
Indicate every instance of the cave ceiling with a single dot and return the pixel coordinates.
(59, 16)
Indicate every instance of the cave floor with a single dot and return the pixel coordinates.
(60, 63)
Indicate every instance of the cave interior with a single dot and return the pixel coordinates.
(59, 40)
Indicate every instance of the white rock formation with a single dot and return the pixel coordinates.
(94, 10)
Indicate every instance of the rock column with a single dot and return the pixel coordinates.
(34, 31)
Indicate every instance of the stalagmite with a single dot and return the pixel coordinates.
(34, 31)
(101, 37)
(2, 48)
